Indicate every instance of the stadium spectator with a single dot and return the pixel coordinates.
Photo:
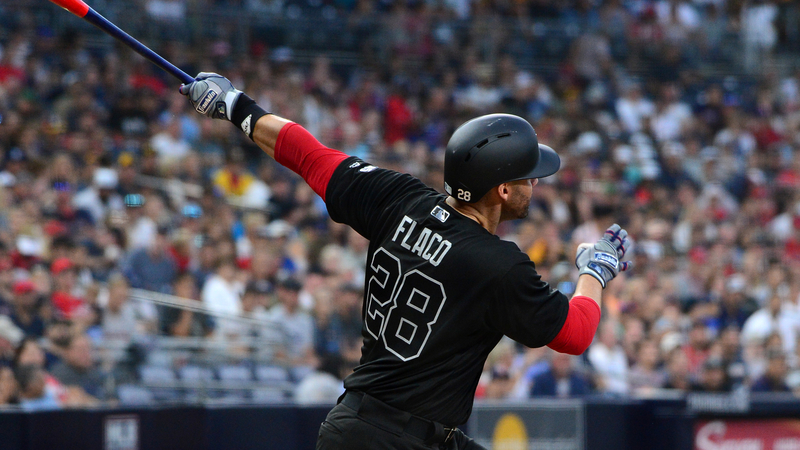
(236, 184)
(730, 350)
(696, 349)
(609, 361)
(777, 316)
(774, 378)
(8, 386)
(184, 322)
(709, 162)
(169, 144)
(678, 373)
(646, 375)
(10, 336)
(67, 304)
(713, 377)
(499, 380)
(152, 268)
(562, 380)
(32, 393)
(100, 198)
(78, 368)
(29, 352)
(295, 325)
(222, 294)
(26, 314)
(121, 319)
(338, 336)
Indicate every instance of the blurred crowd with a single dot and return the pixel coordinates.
(110, 182)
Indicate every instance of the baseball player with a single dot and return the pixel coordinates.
(441, 288)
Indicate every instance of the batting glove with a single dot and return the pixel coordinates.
(603, 260)
(212, 95)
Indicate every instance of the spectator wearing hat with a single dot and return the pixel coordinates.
(713, 377)
(296, 325)
(100, 197)
(774, 378)
(26, 315)
(66, 303)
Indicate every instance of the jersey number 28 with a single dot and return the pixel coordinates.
(401, 307)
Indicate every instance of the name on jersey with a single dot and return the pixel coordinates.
(424, 243)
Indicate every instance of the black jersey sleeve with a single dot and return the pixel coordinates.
(526, 308)
(366, 197)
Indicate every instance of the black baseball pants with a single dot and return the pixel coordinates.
(364, 423)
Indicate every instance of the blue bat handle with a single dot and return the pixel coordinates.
(101, 22)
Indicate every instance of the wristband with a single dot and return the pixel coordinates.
(246, 113)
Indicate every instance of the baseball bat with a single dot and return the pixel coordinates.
(81, 9)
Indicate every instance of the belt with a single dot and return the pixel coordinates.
(379, 413)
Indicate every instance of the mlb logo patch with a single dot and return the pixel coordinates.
(440, 214)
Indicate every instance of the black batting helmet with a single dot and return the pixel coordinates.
(491, 150)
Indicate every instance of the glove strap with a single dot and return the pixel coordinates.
(246, 113)
(594, 270)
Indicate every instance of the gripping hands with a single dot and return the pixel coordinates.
(603, 260)
(212, 95)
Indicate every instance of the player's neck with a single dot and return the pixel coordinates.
(488, 218)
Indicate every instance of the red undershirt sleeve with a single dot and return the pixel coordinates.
(579, 328)
(297, 150)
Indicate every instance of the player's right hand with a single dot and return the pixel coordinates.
(603, 260)
(212, 95)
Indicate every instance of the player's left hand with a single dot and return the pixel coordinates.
(604, 261)
(212, 95)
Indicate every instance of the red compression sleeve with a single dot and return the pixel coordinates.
(299, 151)
(579, 328)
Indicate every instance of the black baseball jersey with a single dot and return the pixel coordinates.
(440, 292)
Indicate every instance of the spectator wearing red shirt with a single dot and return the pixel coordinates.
(398, 119)
(66, 304)
(696, 350)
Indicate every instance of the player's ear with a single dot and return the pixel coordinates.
(503, 191)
